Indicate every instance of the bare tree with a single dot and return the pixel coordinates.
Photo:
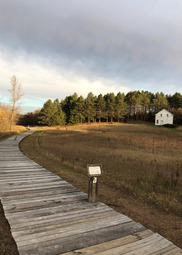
(15, 95)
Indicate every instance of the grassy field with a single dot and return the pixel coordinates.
(15, 130)
(143, 160)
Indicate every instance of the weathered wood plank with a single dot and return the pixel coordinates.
(26, 177)
(43, 192)
(45, 199)
(14, 187)
(28, 188)
(56, 223)
(44, 204)
(141, 247)
(72, 206)
(70, 230)
(39, 199)
(82, 240)
(62, 216)
(111, 244)
(169, 250)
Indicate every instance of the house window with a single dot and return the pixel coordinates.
(167, 115)
(161, 114)
(157, 121)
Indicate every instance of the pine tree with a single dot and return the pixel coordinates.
(160, 102)
(59, 117)
(90, 110)
(68, 106)
(120, 107)
(110, 106)
(145, 104)
(47, 114)
(79, 110)
(100, 108)
(175, 101)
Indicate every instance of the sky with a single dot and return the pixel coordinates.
(59, 47)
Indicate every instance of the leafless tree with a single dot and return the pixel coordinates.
(15, 95)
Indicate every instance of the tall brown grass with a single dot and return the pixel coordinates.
(5, 133)
(142, 159)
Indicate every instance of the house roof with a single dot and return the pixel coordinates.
(164, 110)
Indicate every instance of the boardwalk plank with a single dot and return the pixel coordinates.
(44, 192)
(85, 239)
(141, 247)
(56, 223)
(111, 244)
(61, 217)
(169, 250)
(74, 205)
(70, 230)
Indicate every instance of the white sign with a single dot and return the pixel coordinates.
(94, 170)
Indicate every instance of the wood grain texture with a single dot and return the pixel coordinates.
(49, 216)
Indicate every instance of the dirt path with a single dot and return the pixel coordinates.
(7, 244)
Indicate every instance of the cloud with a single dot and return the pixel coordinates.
(58, 47)
(42, 80)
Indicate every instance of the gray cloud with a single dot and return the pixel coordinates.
(139, 41)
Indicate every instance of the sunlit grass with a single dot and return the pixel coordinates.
(15, 130)
(142, 159)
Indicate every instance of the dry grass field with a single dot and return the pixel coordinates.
(141, 159)
(15, 130)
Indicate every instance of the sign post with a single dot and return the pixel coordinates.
(94, 171)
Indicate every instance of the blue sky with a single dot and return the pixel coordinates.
(56, 48)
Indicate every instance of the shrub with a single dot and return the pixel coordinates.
(170, 125)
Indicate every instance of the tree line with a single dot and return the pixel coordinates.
(74, 109)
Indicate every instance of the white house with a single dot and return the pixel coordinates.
(163, 117)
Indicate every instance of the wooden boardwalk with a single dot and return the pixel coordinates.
(47, 215)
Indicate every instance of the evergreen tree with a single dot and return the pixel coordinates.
(133, 100)
(128, 100)
(47, 114)
(175, 101)
(160, 102)
(120, 107)
(51, 114)
(77, 114)
(80, 109)
(145, 104)
(110, 106)
(90, 110)
(68, 106)
(73, 119)
(100, 107)
(59, 117)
